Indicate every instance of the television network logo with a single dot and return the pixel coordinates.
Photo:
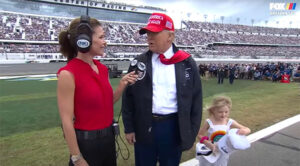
(282, 8)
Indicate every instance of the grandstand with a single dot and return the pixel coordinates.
(32, 35)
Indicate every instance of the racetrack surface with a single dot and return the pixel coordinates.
(44, 68)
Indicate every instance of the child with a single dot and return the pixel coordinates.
(217, 125)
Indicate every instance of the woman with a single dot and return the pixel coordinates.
(85, 96)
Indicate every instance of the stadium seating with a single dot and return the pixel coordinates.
(258, 42)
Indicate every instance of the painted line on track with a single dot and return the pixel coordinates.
(21, 76)
(258, 135)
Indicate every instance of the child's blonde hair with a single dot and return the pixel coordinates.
(219, 102)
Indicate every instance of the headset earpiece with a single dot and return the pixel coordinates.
(83, 40)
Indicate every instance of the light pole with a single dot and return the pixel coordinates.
(237, 20)
(4, 50)
(266, 22)
(87, 7)
(205, 16)
(188, 16)
(222, 18)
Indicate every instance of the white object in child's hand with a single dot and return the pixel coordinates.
(239, 142)
(202, 150)
(232, 142)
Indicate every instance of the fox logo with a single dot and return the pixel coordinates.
(277, 6)
(282, 6)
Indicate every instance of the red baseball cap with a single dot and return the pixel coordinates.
(158, 22)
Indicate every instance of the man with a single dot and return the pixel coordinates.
(162, 111)
(221, 74)
(231, 73)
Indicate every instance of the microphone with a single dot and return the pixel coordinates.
(139, 68)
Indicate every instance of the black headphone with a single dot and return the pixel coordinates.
(83, 40)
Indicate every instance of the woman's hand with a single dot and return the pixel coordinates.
(129, 78)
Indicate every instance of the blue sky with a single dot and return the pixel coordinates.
(245, 10)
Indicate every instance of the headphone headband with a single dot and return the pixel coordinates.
(85, 19)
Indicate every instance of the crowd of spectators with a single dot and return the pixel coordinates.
(252, 52)
(41, 28)
(252, 71)
(241, 28)
(30, 48)
(111, 51)
(30, 28)
(124, 33)
(199, 37)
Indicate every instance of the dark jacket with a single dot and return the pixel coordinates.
(137, 102)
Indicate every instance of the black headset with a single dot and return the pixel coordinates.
(83, 40)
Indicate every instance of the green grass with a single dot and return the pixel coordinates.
(30, 132)
(27, 106)
(32, 104)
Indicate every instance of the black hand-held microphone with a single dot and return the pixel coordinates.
(139, 68)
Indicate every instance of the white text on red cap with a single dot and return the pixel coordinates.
(156, 17)
(154, 22)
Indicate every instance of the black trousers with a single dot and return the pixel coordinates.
(165, 147)
(99, 151)
(231, 78)
(220, 79)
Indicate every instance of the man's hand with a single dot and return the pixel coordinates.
(81, 162)
(130, 137)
